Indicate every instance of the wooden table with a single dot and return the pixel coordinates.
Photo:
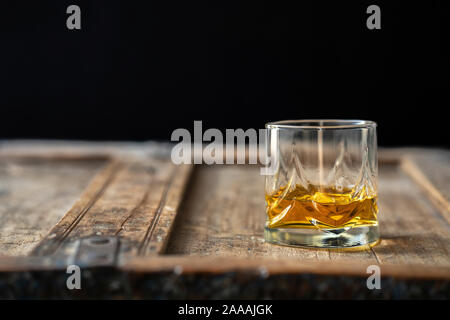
(140, 226)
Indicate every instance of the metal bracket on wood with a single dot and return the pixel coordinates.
(96, 251)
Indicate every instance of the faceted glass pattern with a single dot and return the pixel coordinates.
(323, 191)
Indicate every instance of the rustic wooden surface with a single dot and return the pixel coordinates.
(34, 195)
(221, 216)
(133, 200)
(126, 206)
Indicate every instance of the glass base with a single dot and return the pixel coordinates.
(358, 237)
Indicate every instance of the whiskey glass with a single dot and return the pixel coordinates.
(321, 185)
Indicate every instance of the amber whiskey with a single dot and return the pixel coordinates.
(323, 208)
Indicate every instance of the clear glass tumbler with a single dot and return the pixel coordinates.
(322, 187)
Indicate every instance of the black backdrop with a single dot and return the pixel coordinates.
(138, 70)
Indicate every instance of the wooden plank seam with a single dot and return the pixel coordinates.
(52, 243)
(149, 233)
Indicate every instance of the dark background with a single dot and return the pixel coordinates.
(138, 70)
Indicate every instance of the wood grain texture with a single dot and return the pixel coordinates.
(133, 199)
(413, 230)
(224, 214)
(35, 194)
(430, 170)
(63, 229)
(182, 264)
(132, 193)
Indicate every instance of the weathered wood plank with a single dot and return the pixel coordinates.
(50, 149)
(430, 169)
(223, 215)
(413, 230)
(266, 266)
(133, 199)
(64, 227)
(35, 194)
(137, 197)
(159, 231)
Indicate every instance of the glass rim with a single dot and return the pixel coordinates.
(321, 124)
